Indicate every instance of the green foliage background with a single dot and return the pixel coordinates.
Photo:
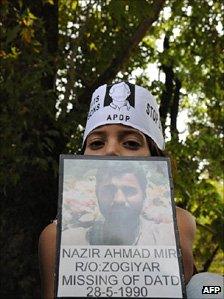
(53, 55)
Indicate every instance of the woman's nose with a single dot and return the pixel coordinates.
(112, 148)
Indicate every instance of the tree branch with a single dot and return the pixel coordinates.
(50, 17)
(126, 52)
(174, 109)
(118, 62)
(167, 94)
(210, 259)
(207, 228)
(70, 61)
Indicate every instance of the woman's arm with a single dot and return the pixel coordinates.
(187, 229)
(47, 254)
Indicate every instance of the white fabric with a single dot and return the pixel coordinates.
(127, 104)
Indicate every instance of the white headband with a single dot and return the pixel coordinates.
(127, 104)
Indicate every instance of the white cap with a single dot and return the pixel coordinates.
(127, 104)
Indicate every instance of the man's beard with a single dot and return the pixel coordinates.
(121, 226)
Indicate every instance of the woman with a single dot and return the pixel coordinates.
(123, 120)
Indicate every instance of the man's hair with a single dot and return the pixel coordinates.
(119, 170)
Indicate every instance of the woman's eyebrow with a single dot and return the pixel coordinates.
(131, 132)
(97, 133)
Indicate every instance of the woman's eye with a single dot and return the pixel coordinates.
(132, 144)
(96, 144)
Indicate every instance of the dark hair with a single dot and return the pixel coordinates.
(154, 150)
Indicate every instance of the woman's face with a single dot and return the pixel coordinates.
(116, 140)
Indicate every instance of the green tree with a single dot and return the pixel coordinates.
(30, 139)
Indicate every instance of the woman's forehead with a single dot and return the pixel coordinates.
(113, 128)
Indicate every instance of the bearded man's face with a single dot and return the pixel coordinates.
(120, 200)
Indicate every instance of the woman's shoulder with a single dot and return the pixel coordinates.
(186, 215)
(186, 221)
(47, 251)
(48, 234)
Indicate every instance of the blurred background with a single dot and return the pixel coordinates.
(53, 55)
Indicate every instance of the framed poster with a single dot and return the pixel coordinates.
(117, 234)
